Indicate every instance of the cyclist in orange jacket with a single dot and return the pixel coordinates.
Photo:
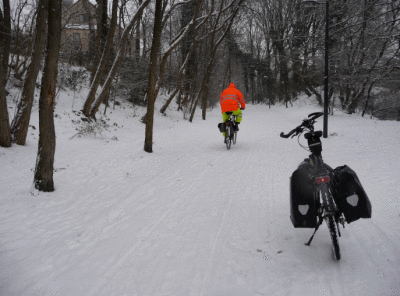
(232, 100)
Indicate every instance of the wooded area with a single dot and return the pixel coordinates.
(273, 50)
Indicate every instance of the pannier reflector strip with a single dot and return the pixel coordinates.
(303, 209)
(353, 200)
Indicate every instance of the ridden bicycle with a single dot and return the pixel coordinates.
(231, 128)
(312, 192)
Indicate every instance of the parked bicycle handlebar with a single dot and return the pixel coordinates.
(315, 115)
(297, 129)
(306, 123)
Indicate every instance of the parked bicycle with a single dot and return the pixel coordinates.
(231, 128)
(318, 193)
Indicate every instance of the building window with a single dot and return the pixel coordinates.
(77, 37)
(76, 43)
(83, 18)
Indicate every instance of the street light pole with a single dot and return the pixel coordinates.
(326, 76)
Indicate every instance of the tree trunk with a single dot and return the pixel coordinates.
(317, 95)
(5, 36)
(20, 123)
(148, 143)
(101, 34)
(43, 178)
(137, 37)
(164, 108)
(205, 102)
(5, 134)
(188, 13)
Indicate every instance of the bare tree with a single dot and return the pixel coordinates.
(43, 178)
(101, 65)
(214, 47)
(190, 27)
(22, 36)
(120, 53)
(20, 123)
(5, 135)
(216, 21)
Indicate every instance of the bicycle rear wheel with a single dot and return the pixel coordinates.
(234, 138)
(330, 221)
(228, 139)
(334, 237)
(233, 133)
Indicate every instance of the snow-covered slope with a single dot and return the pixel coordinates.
(193, 218)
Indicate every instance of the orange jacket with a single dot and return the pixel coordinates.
(230, 99)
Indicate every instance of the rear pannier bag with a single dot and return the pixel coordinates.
(350, 195)
(303, 207)
(221, 127)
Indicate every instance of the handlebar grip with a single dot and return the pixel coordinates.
(297, 130)
(315, 115)
(287, 135)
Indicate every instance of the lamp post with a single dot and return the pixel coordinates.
(326, 77)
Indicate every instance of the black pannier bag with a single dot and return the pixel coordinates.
(221, 127)
(350, 195)
(303, 207)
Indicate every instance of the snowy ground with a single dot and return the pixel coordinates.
(193, 218)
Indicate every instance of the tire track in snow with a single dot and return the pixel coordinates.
(223, 221)
(254, 160)
(331, 277)
(143, 235)
(379, 256)
(144, 202)
(145, 193)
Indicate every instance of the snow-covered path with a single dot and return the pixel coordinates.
(193, 218)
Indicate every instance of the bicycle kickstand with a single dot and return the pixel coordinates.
(315, 231)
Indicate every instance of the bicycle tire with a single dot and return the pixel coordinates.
(228, 140)
(330, 221)
(232, 135)
(328, 205)
(334, 237)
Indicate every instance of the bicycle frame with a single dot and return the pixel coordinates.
(323, 189)
(230, 134)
